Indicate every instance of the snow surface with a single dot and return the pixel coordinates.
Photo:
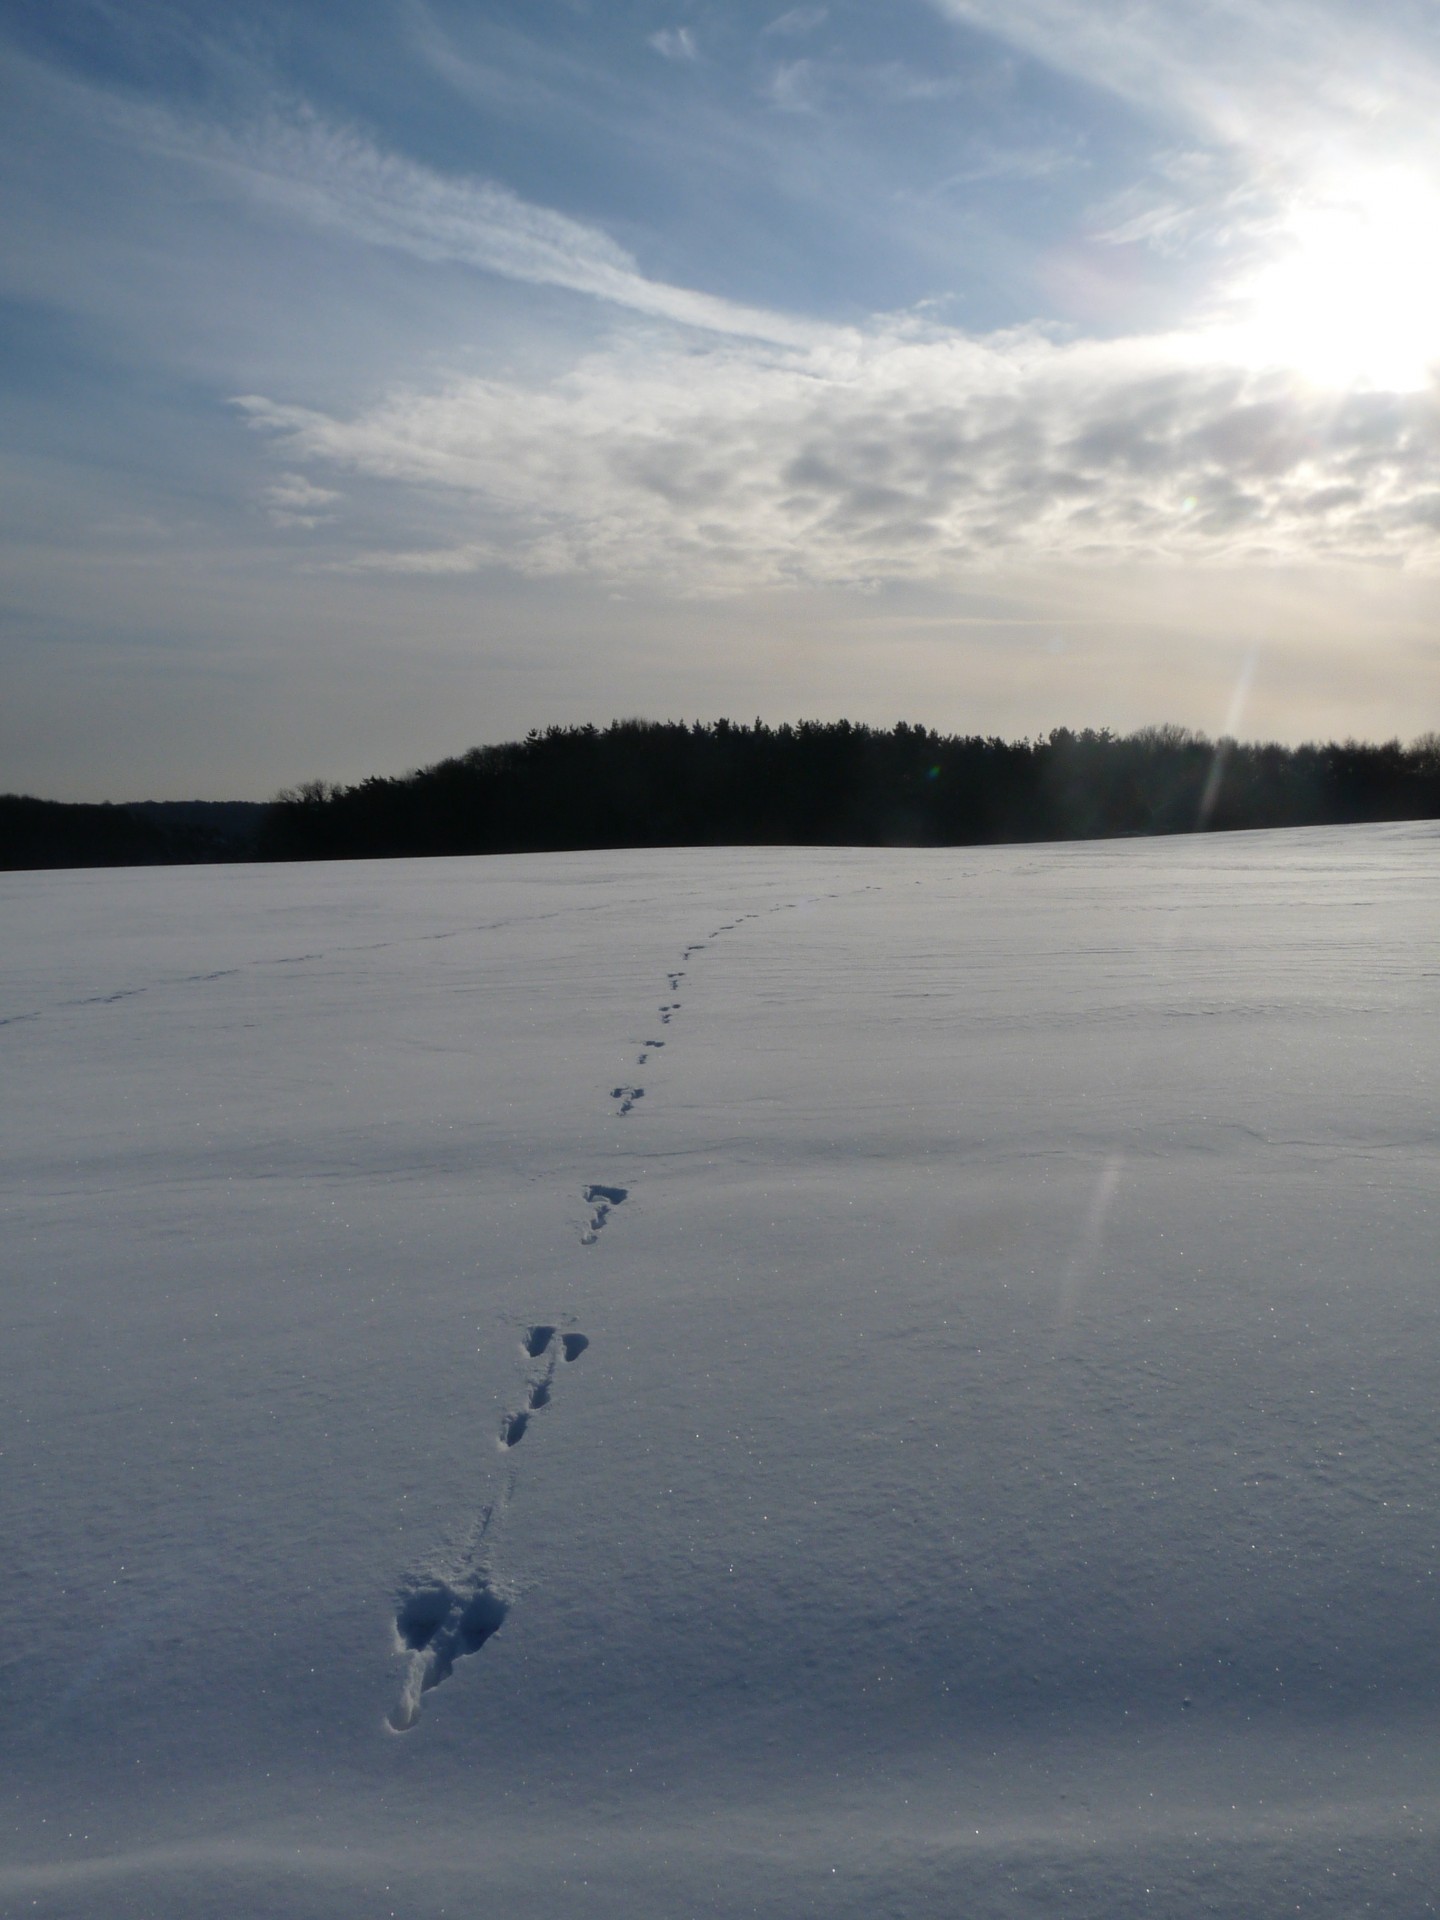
(1003, 1476)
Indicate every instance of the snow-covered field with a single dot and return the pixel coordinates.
(987, 1456)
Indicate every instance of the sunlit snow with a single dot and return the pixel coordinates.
(767, 1382)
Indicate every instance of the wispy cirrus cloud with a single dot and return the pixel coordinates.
(988, 161)
(338, 179)
(776, 450)
(793, 86)
(675, 43)
(797, 21)
(1270, 117)
(1253, 76)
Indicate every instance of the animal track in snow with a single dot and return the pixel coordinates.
(438, 1624)
(539, 1342)
(441, 1618)
(602, 1201)
(537, 1393)
(536, 1343)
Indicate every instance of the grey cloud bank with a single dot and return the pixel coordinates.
(926, 460)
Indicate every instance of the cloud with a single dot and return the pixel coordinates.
(910, 458)
(1266, 113)
(294, 501)
(793, 87)
(797, 21)
(806, 85)
(335, 178)
(1259, 77)
(987, 161)
(675, 43)
(733, 449)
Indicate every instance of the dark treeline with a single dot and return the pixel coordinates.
(640, 783)
(647, 783)
(149, 833)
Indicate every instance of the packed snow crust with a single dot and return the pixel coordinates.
(765, 1382)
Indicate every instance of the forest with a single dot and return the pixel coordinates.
(644, 783)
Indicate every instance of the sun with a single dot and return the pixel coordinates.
(1352, 296)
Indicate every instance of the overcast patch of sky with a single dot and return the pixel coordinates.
(911, 459)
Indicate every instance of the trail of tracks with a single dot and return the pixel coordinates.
(448, 1610)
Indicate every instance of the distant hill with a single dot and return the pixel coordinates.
(644, 783)
(147, 833)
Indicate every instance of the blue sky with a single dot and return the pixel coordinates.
(385, 379)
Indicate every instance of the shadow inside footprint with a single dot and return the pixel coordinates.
(602, 1200)
(539, 1395)
(573, 1344)
(421, 1616)
(483, 1616)
(512, 1429)
(537, 1340)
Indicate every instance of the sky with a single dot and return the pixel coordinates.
(383, 380)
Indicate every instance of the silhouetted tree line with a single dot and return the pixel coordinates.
(640, 783)
(149, 833)
(644, 783)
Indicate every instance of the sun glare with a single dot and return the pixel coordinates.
(1352, 297)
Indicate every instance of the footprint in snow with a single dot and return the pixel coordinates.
(440, 1620)
(602, 1202)
(540, 1344)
